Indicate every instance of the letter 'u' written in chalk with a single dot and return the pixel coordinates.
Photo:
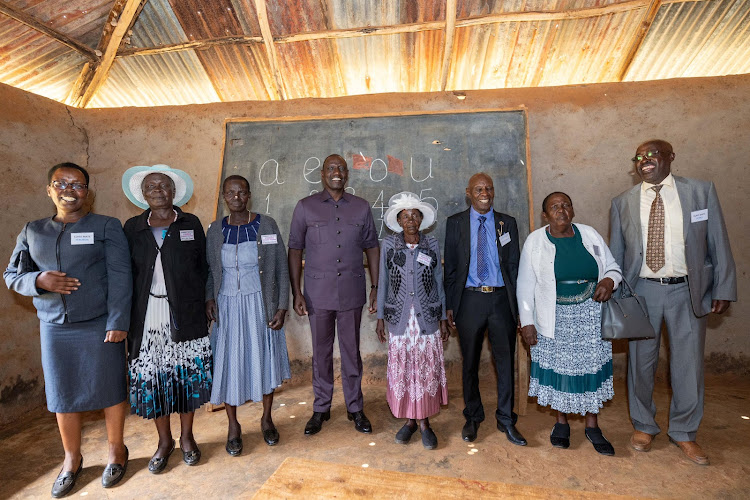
(274, 165)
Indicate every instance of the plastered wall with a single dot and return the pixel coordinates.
(581, 140)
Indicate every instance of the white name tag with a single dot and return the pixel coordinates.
(699, 215)
(187, 235)
(81, 238)
(424, 259)
(504, 239)
(597, 252)
(268, 239)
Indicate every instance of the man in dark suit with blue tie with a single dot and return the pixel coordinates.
(481, 266)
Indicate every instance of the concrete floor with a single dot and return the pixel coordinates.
(30, 451)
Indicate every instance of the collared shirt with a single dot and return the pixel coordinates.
(674, 241)
(333, 235)
(495, 276)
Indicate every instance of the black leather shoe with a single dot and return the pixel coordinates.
(601, 445)
(65, 482)
(234, 446)
(316, 422)
(429, 439)
(157, 465)
(404, 434)
(191, 457)
(469, 432)
(560, 436)
(512, 434)
(361, 423)
(113, 473)
(271, 436)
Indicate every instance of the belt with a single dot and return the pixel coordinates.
(157, 296)
(668, 281)
(574, 282)
(484, 289)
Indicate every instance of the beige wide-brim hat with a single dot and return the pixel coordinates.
(133, 178)
(408, 201)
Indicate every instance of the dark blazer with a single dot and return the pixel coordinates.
(711, 270)
(457, 257)
(185, 272)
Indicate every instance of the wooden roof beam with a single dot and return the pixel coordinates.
(640, 34)
(450, 31)
(39, 26)
(273, 59)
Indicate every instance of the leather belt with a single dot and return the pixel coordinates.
(668, 281)
(574, 282)
(158, 296)
(484, 289)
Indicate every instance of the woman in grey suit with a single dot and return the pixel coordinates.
(411, 300)
(75, 265)
(247, 295)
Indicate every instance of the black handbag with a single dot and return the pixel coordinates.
(626, 317)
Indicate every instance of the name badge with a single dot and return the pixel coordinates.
(699, 215)
(597, 252)
(81, 238)
(424, 259)
(187, 235)
(268, 239)
(504, 239)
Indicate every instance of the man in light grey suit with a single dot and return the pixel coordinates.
(669, 238)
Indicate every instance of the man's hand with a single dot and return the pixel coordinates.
(451, 323)
(603, 290)
(444, 330)
(57, 282)
(300, 307)
(278, 320)
(115, 336)
(528, 333)
(212, 311)
(719, 306)
(373, 301)
(380, 330)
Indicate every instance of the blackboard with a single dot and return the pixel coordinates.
(432, 155)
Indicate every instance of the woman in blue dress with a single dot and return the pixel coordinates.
(247, 296)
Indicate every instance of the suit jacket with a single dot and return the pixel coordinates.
(711, 270)
(458, 257)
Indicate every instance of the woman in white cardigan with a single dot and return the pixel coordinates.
(566, 271)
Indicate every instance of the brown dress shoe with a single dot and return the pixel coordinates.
(692, 451)
(641, 441)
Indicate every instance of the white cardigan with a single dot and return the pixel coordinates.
(536, 289)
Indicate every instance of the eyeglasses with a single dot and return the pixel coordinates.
(648, 154)
(62, 185)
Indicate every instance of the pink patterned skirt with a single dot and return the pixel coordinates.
(416, 373)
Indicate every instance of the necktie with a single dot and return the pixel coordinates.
(655, 242)
(483, 268)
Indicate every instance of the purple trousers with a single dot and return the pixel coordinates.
(323, 325)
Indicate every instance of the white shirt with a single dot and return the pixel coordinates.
(674, 241)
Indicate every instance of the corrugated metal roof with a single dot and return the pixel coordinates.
(208, 50)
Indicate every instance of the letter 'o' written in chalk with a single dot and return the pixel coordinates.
(275, 165)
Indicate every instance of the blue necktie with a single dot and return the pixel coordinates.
(483, 269)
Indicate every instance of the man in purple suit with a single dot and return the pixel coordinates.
(333, 228)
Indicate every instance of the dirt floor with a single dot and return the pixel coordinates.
(31, 452)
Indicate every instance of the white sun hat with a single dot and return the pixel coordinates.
(407, 201)
(133, 178)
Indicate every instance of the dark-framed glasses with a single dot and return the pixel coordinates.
(647, 155)
(61, 185)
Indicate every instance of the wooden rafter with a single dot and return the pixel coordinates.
(194, 45)
(640, 34)
(39, 26)
(273, 59)
(450, 31)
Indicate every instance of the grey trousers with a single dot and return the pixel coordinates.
(687, 337)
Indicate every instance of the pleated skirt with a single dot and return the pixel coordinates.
(168, 377)
(250, 359)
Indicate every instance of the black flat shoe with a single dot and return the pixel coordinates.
(271, 436)
(157, 465)
(429, 439)
(512, 434)
(601, 445)
(191, 457)
(66, 481)
(113, 473)
(361, 422)
(469, 432)
(234, 446)
(316, 422)
(404, 434)
(560, 437)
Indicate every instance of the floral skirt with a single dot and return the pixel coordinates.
(572, 372)
(168, 377)
(416, 373)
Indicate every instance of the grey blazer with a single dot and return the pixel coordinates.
(274, 271)
(711, 270)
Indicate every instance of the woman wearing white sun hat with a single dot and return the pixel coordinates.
(412, 301)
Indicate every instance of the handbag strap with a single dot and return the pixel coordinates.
(629, 288)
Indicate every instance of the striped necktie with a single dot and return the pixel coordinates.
(483, 268)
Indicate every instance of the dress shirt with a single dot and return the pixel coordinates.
(333, 235)
(496, 277)
(674, 241)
